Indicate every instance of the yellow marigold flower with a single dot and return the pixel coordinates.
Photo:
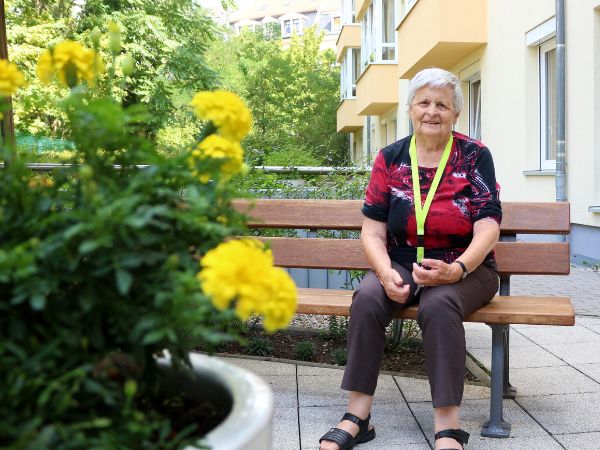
(242, 272)
(226, 111)
(11, 78)
(71, 62)
(217, 147)
(279, 307)
(232, 269)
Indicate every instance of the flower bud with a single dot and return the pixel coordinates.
(114, 40)
(127, 65)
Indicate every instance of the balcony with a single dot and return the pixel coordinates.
(361, 6)
(347, 119)
(440, 33)
(349, 37)
(377, 89)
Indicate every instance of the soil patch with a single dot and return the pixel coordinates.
(323, 348)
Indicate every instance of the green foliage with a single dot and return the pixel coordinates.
(305, 350)
(341, 356)
(293, 94)
(98, 276)
(337, 327)
(167, 41)
(259, 346)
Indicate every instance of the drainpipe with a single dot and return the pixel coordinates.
(561, 190)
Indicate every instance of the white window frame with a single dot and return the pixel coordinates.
(348, 82)
(372, 44)
(348, 12)
(475, 113)
(543, 49)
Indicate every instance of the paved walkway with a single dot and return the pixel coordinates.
(556, 371)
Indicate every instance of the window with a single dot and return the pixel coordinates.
(475, 107)
(329, 23)
(348, 11)
(547, 64)
(388, 43)
(379, 34)
(350, 71)
(287, 28)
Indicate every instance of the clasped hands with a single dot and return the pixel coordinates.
(432, 272)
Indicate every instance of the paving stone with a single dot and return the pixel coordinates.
(561, 414)
(474, 413)
(325, 390)
(523, 443)
(481, 337)
(576, 353)
(286, 428)
(393, 422)
(417, 390)
(546, 334)
(579, 441)
(520, 357)
(551, 381)
(591, 370)
(262, 368)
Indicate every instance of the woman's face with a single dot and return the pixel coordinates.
(432, 112)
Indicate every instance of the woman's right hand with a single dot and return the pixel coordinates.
(394, 286)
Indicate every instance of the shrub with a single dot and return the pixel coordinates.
(305, 350)
(102, 270)
(259, 346)
(341, 356)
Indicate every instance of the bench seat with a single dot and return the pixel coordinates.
(340, 250)
(514, 309)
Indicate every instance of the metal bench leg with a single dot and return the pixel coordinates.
(509, 391)
(496, 427)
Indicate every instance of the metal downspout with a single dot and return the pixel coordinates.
(561, 188)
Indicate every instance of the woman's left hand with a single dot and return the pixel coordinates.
(434, 272)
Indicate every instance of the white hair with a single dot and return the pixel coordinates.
(436, 78)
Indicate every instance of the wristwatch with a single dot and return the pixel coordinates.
(463, 267)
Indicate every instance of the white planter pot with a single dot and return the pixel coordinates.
(249, 425)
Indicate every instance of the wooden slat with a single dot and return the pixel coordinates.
(542, 218)
(315, 214)
(520, 258)
(539, 218)
(501, 310)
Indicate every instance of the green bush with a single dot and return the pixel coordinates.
(259, 346)
(341, 356)
(99, 275)
(305, 350)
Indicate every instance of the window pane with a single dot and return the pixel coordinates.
(475, 110)
(287, 27)
(550, 104)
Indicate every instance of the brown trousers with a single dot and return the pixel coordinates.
(440, 317)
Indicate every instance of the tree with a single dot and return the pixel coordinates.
(293, 94)
(167, 40)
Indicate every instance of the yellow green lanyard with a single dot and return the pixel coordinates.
(422, 210)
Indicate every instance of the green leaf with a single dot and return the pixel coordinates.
(124, 281)
(38, 302)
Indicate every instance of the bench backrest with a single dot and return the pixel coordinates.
(512, 257)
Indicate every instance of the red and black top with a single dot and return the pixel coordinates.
(467, 192)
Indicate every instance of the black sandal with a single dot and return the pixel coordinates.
(344, 439)
(462, 437)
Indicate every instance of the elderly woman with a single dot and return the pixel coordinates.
(432, 216)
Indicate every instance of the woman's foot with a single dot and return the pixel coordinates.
(447, 443)
(350, 431)
(345, 425)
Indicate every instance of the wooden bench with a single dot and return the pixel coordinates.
(513, 258)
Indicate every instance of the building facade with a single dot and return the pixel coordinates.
(286, 18)
(504, 53)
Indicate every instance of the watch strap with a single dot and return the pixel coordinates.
(463, 267)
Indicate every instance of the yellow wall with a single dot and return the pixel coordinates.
(510, 119)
